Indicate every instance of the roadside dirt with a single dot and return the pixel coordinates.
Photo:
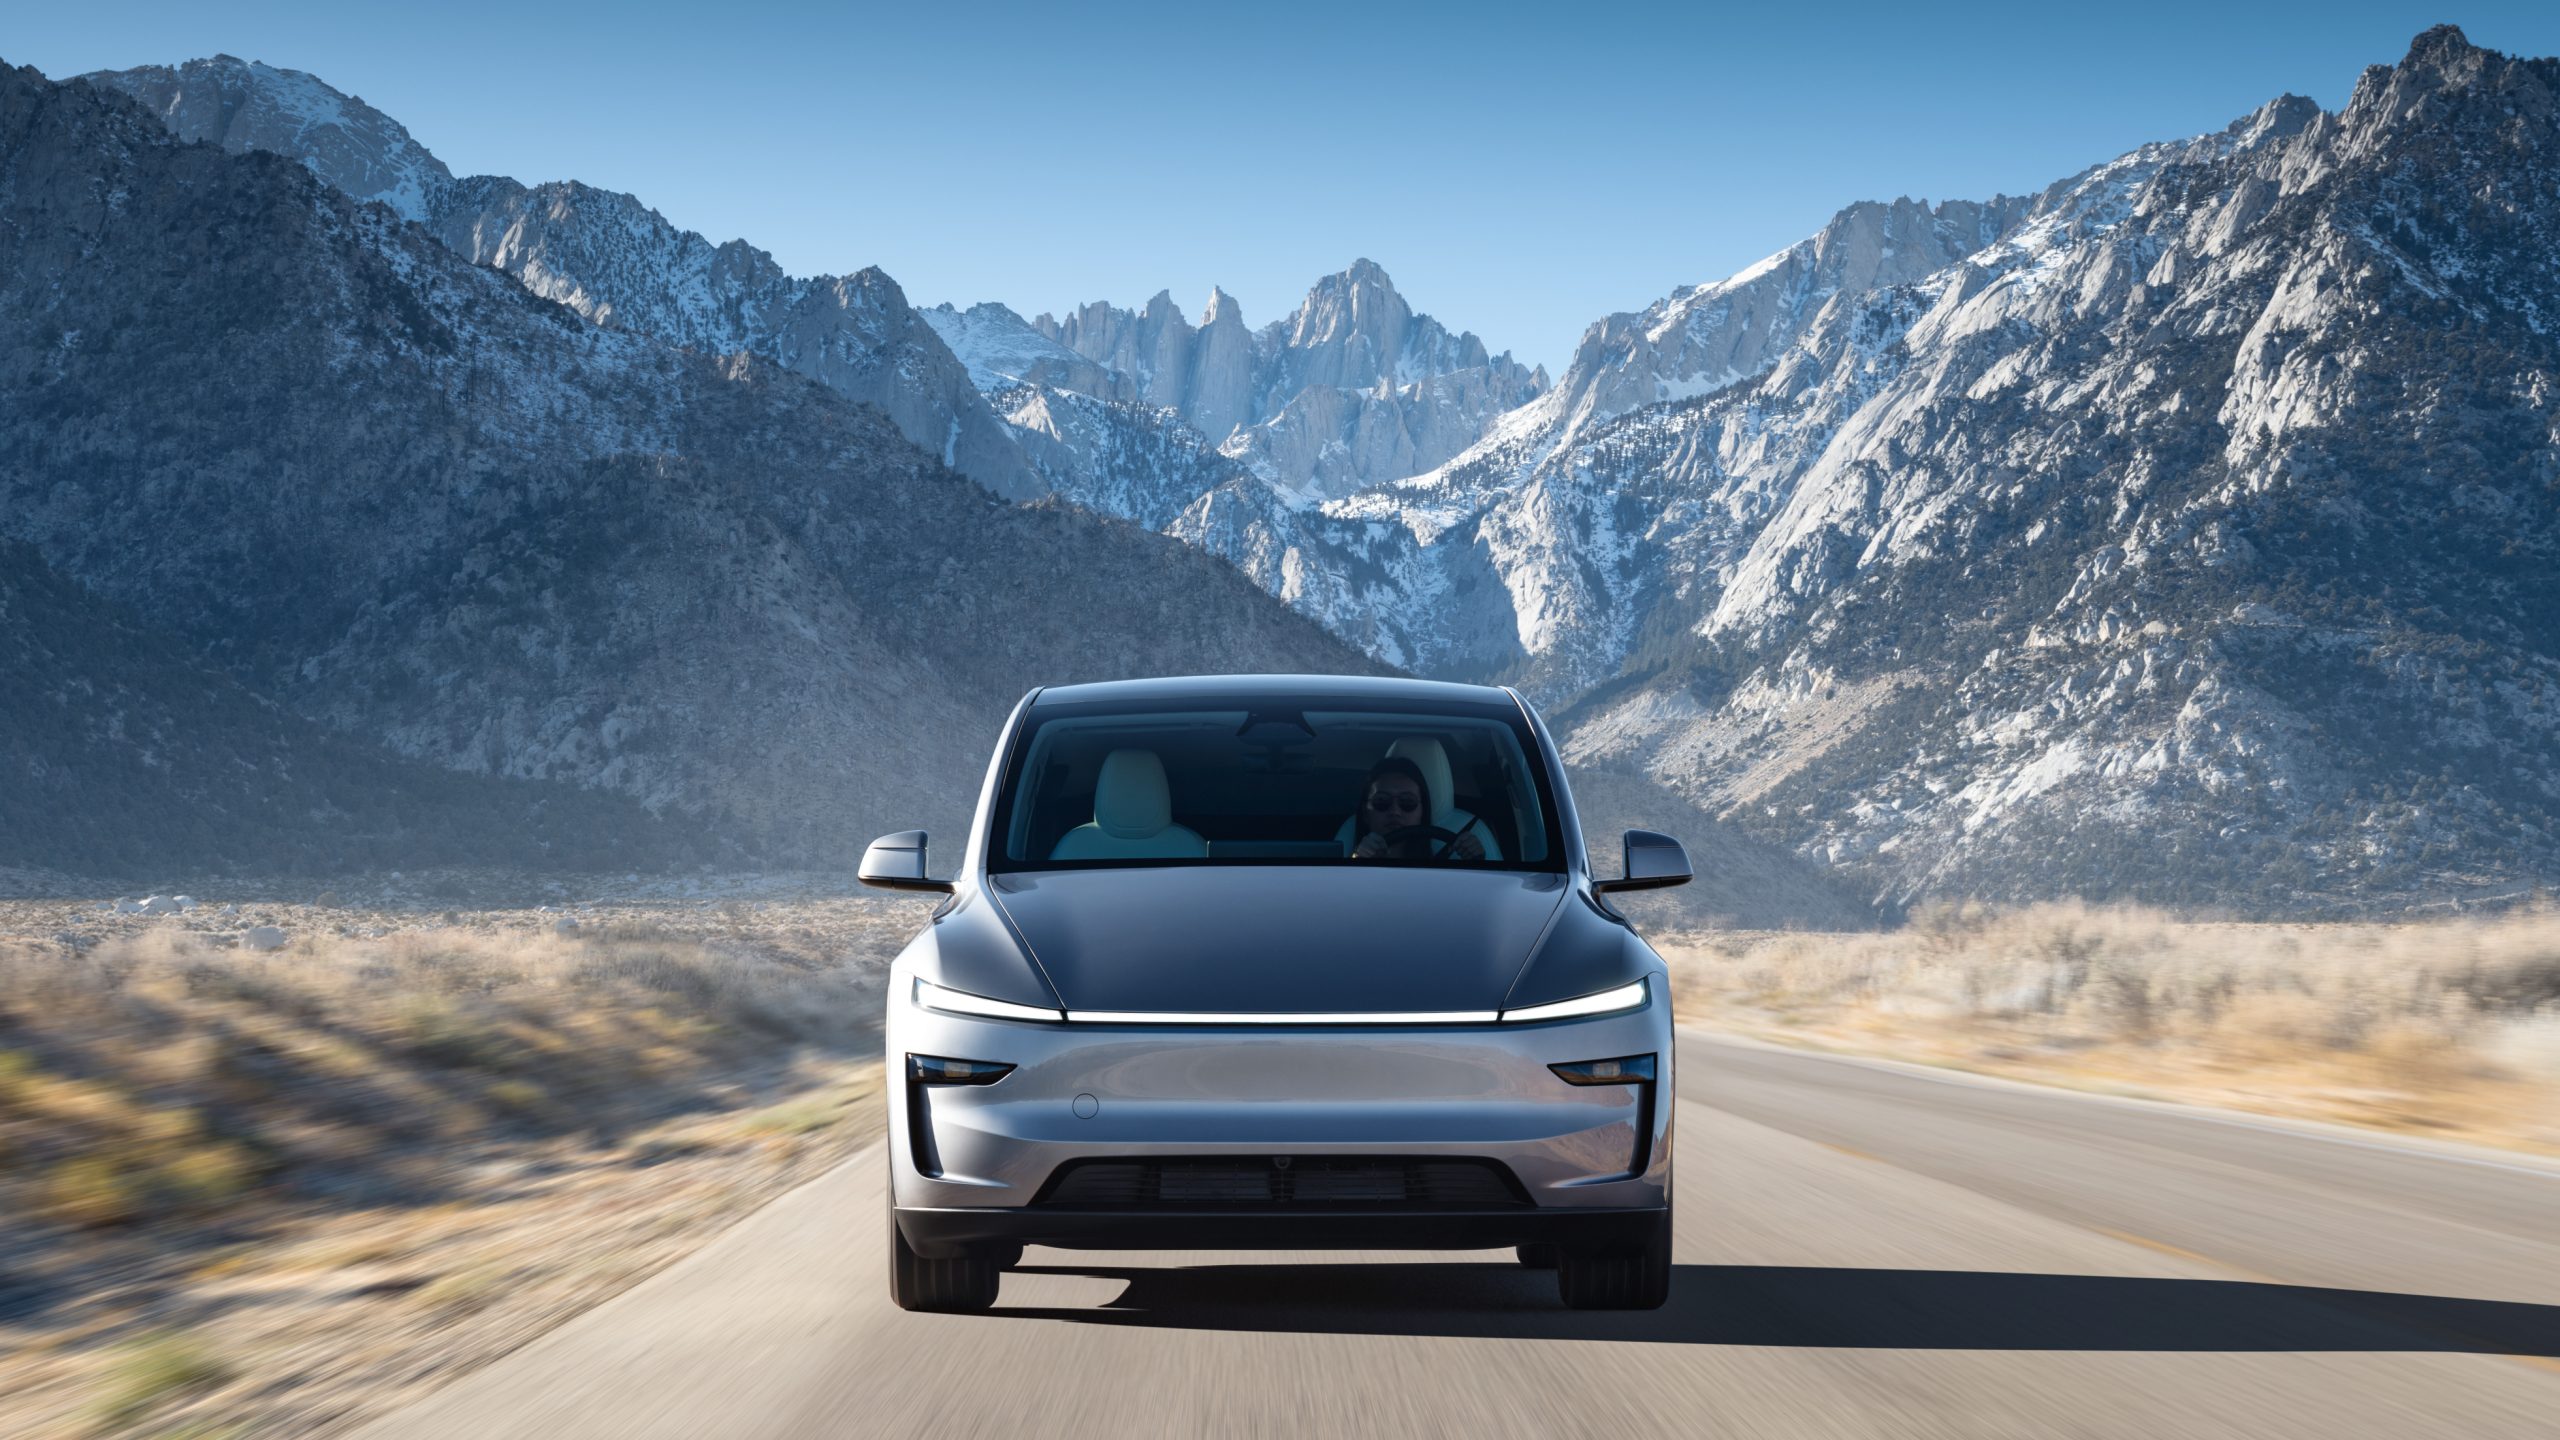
(275, 1192)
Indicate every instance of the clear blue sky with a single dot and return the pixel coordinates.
(1519, 170)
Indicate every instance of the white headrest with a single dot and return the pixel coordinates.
(1131, 800)
(1432, 760)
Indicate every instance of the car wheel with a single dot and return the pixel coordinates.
(1638, 1279)
(1539, 1257)
(965, 1284)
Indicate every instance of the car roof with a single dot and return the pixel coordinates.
(1269, 687)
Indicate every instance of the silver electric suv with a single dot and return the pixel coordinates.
(1280, 962)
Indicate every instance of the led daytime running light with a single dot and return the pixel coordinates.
(930, 996)
(1606, 1002)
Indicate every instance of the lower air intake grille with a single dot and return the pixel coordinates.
(1265, 1182)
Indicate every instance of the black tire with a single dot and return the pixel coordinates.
(1541, 1256)
(1638, 1279)
(960, 1286)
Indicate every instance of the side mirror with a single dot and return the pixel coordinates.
(896, 862)
(1654, 862)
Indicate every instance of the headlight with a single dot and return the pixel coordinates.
(940, 1070)
(930, 996)
(1625, 1070)
(1606, 1002)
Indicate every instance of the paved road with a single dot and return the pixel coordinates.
(1864, 1251)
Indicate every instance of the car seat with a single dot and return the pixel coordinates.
(1132, 816)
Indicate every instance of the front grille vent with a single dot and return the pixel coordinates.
(1264, 1182)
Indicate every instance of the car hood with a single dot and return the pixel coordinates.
(1280, 939)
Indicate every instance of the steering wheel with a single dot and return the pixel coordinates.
(1403, 835)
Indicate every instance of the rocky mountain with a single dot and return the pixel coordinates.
(2181, 532)
(244, 105)
(1087, 430)
(1705, 337)
(1353, 389)
(2189, 540)
(608, 256)
(426, 505)
(337, 465)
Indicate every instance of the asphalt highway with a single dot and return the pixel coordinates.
(1864, 1250)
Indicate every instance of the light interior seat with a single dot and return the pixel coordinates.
(1132, 816)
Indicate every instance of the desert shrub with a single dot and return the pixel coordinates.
(93, 1191)
(155, 1370)
(2407, 1006)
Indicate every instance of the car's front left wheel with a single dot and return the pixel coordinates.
(964, 1284)
(1636, 1278)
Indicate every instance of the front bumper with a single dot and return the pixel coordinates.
(944, 1233)
(969, 1161)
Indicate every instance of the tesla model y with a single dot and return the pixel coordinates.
(1280, 962)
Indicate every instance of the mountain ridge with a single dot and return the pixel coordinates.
(607, 255)
(2169, 533)
(401, 495)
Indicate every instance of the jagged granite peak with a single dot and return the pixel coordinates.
(248, 105)
(399, 495)
(1218, 398)
(1351, 389)
(2441, 68)
(613, 259)
(1354, 331)
(1001, 350)
(1151, 346)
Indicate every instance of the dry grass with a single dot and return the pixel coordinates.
(278, 1190)
(2449, 1027)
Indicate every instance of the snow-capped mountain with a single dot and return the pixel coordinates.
(2182, 531)
(1001, 350)
(608, 256)
(1353, 389)
(1086, 429)
(2190, 539)
(1577, 500)
(1706, 337)
(244, 105)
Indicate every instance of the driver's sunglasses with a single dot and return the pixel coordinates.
(1383, 802)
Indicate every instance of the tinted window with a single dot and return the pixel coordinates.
(1292, 782)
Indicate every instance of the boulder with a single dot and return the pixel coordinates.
(263, 937)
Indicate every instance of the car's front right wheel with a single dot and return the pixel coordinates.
(1636, 1278)
(964, 1284)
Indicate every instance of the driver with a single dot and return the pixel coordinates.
(1394, 822)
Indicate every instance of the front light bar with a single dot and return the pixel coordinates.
(959, 1002)
(1606, 1002)
(930, 996)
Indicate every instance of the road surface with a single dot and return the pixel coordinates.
(1863, 1250)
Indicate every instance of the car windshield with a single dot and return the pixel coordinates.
(1294, 781)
